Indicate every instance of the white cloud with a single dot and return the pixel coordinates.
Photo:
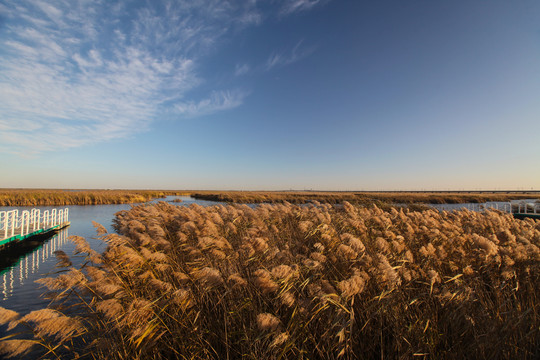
(241, 69)
(291, 6)
(52, 12)
(79, 72)
(251, 18)
(21, 48)
(218, 101)
(281, 59)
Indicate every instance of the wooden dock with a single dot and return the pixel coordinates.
(16, 227)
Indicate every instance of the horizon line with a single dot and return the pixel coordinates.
(486, 190)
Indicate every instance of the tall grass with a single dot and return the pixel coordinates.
(288, 282)
(36, 197)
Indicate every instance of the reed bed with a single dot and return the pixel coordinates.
(291, 282)
(25, 197)
(365, 198)
(37, 197)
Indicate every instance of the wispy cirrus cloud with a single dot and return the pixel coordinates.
(80, 72)
(291, 6)
(217, 101)
(285, 58)
(241, 69)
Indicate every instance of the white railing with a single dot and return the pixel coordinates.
(29, 221)
(519, 207)
(524, 207)
(504, 207)
(8, 222)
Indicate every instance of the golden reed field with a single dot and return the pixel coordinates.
(365, 198)
(294, 282)
(47, 197)
(51, 197)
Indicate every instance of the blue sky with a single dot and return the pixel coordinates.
(270, 94)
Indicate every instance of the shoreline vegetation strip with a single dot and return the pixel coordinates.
(46, 197)
(361, 198)
(23, 197)
(286, 281)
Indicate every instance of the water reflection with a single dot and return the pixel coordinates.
(29, 263)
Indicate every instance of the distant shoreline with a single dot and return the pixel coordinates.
(361, 197)
(58, 197)
(42, 197)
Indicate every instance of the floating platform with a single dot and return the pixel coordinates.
(31, 224)
(522, 216)
(34, 234)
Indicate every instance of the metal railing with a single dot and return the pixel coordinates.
(11, 223)
(513, 207)
(521, 207)
(504, 207)
(527, 208)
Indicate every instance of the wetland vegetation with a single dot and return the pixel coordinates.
(364, 198)
(50, 197)
(285, 281)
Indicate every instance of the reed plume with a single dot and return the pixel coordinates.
(13, 348)
(268, 322)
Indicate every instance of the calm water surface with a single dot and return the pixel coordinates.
(18, 290)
